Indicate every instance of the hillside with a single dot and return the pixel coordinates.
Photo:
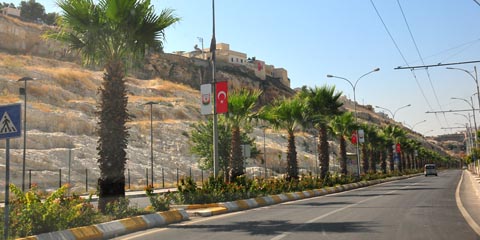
(62, 103)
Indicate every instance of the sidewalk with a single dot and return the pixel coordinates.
(468, 199)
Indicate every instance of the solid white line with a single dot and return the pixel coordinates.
(464, 212)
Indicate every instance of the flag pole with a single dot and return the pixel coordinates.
(213, 46)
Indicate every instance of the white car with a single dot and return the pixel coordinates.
(430, 169)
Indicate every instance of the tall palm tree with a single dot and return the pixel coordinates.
(342, 127)
(368, 147)
(375, 146)
(241, 106)
(394, 135)
(111, 33)
(322, 103)
(287, 114)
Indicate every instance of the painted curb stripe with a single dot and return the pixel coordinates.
(88, 232)
(242, 204)
(172, 216)
(111, 229)
(276, 199)
(261, 201)
(134, 223)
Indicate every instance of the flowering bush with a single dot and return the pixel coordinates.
(30, 215)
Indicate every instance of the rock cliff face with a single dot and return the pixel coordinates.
(194, 72)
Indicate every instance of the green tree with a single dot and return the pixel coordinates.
(50, 18)
(31, 11)
(111, 33)
(287, 114)
(322, 103)
(342, 126)
(241, 110)
(202, 143)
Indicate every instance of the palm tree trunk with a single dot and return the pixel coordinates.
(401, 163)
(113, 135)
(292, 164)
(390, 159)
(236, 159)
(343, 155)
(383, 156)
(323, 153)
(373, 160)
(364, 158)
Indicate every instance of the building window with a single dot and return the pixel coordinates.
(232, 59)
(241, 60)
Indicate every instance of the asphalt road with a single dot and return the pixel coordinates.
(415, 208)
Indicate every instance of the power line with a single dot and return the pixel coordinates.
(403, 57)
(476, 1)
(421, 58)
(435, 65)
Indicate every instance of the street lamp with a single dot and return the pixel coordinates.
(475, 78)
(354, 86)
(151, 139)
(264, 150)
(473, 111)
(23, 91)
(394, 113)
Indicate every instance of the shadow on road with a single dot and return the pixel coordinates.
(272, 227)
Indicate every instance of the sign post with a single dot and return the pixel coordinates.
(9, 128)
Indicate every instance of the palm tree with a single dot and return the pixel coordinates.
(287, 114)
(322, 103)
(342, 127)
(241, 106)
(111, 33)
(393, 135)
(375, 146)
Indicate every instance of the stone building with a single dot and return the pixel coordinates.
(225, 54)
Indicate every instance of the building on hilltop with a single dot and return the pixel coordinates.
(225, 54)
(13, 12)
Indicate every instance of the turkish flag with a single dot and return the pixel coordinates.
(398, 148)
(354, 137)
(221, 93)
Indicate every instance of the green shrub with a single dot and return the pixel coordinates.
(159, 202)
(30, 215)
(121, 209)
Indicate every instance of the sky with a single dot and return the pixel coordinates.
(315, 38)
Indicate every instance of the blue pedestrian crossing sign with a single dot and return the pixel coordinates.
(10, 118)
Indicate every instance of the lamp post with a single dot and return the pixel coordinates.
(473, 112)
(395, 112)
(23, 91)
(151, 140)
(414, 125)
(354, 86)
(264, 151)
(475, 78)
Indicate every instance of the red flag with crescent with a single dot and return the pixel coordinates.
(354, 137)
(221, 93)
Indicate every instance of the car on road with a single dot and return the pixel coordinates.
(430, 169)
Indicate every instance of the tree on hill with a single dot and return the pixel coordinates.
(4, 5)
(31, 11)
(111, 33)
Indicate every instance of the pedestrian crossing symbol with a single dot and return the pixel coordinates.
(10, 121)
(6, 125)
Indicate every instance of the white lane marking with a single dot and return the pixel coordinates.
(284, 234)
(462, 209)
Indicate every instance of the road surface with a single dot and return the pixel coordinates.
(416, 208)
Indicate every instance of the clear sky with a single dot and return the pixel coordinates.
(313, 38)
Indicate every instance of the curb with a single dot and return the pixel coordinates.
(207, 210)
(116, 228)
(124, 226)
